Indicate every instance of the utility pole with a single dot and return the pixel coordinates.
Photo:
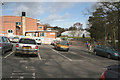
(3, 18)
(119, 26)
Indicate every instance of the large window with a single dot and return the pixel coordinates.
(18, 23)
(33, 34)
(48, 29)
(40, 27)
(42, 34)
(10, 31)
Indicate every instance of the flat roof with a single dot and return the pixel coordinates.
(43, 31)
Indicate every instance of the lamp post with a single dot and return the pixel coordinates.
(3, 18)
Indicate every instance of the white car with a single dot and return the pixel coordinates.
(15, 39)
(38, 41)
(26, 46)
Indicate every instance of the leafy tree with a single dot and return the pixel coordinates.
(103, 24)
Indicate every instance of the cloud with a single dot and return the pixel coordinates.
(59, 6)
(31, 9)
(55, 17)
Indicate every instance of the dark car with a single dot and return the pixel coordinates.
(112, 73)
(5, 44)
(106, 51)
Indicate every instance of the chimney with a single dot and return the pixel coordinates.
(23, 23)
(23, 14)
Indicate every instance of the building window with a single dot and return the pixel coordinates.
(40, 27)
(10, 31)
(18, 23)
(42, 34)
(33, 34)
(48, 29)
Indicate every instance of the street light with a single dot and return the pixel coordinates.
(3, 17)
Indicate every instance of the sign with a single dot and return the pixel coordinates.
(3, 31)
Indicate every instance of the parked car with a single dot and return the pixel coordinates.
(15, 39)
(5, 44)
(39, 42)
(106, 51)
(26, 46)
(111, 73)
(62, 45)
(53, 42)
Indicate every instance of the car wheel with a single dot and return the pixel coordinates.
(3, 52)
(16, 54)
(109, 56)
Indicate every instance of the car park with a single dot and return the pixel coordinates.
(5, 44)
(26, 46)
(62, 45)
(15, 39)
(111, 73)
(106, 51)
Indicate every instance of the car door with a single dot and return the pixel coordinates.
(98, 50)
(4, 44)
(101, 50)
(9, 45)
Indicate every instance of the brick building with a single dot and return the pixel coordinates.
(22, 25)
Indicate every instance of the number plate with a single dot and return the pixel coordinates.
(26, 47)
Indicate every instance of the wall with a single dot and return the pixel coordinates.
(10, 23)
(31, 24)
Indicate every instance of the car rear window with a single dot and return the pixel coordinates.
(63, 43)
(27, 41)
(16, 38)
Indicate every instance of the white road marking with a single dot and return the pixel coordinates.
(9, 54)
(84, 56)
(62, 55)
(73, 52)
(39, 56)
(23, 61)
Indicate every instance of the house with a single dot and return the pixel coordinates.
(76, 33)
(22, 25)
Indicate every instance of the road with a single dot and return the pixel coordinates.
(50, 63)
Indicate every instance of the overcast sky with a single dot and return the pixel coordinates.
(63, 14)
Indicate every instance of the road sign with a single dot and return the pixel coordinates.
(3, 31)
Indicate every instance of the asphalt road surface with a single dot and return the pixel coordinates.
(50, 63)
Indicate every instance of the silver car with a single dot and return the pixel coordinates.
(5, 44)
(26, 46)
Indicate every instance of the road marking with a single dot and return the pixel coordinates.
(39, 56)
(73, 52)
(84, 57)
(62, 55)
(9, 54)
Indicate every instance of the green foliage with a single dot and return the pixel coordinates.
(104, 22)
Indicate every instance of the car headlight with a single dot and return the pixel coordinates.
(116, 54)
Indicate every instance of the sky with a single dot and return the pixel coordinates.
(62, 14)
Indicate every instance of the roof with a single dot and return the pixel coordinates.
(43, 31)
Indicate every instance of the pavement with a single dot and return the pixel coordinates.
(78, 62)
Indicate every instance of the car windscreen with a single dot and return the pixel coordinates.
(27, 41)
(63, 43)
(16, 38)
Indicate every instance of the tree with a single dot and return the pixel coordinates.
(59, 29)
(102, 24)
